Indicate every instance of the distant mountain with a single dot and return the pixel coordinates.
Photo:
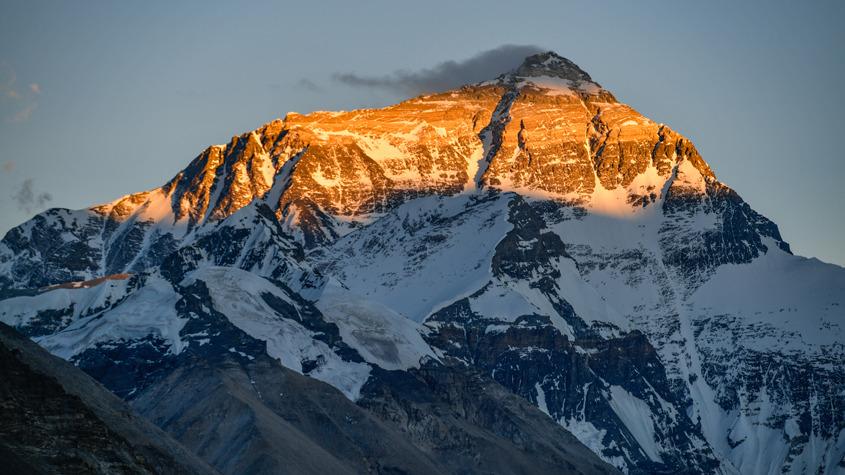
(529, 234)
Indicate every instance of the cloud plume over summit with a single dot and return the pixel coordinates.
(446, 75)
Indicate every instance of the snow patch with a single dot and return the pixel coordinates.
(636, 415)
(237, 294)
(380, 335)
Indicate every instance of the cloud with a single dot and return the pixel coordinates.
(446, 75)
(308, 85)
(15, 104)
(24, 114)
(7, 81)
(8, 166)
(28, 199)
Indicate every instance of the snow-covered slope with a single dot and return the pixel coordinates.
(531, 229)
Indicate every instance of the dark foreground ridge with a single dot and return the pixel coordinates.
(56, 419)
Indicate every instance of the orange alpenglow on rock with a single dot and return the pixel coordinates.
(545, 129)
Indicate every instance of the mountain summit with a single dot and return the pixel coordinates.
(322, 171)
(529, 235)
(551, 64)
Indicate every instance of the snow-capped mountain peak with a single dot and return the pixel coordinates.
(531, 229)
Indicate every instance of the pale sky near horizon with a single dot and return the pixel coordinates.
(99, 99)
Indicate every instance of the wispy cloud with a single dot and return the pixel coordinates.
(308, 85)
(446, 75)
(28, 199)
(24, 114)
(8, 78)
(15, 104)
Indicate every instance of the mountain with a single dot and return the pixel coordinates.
(528, 235)
(56, 419)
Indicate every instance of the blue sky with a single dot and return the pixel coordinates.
(100, 99)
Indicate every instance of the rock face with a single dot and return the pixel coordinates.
(56, 419)
(474, 425)
(528, 234)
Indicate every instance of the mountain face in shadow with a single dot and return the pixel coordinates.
(57, 419)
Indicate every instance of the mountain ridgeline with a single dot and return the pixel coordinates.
(522, 275)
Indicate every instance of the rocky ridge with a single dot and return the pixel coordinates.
(56, 419)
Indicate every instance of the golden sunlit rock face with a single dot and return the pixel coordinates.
(544, 146)
(361, 162)
(545, 129)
